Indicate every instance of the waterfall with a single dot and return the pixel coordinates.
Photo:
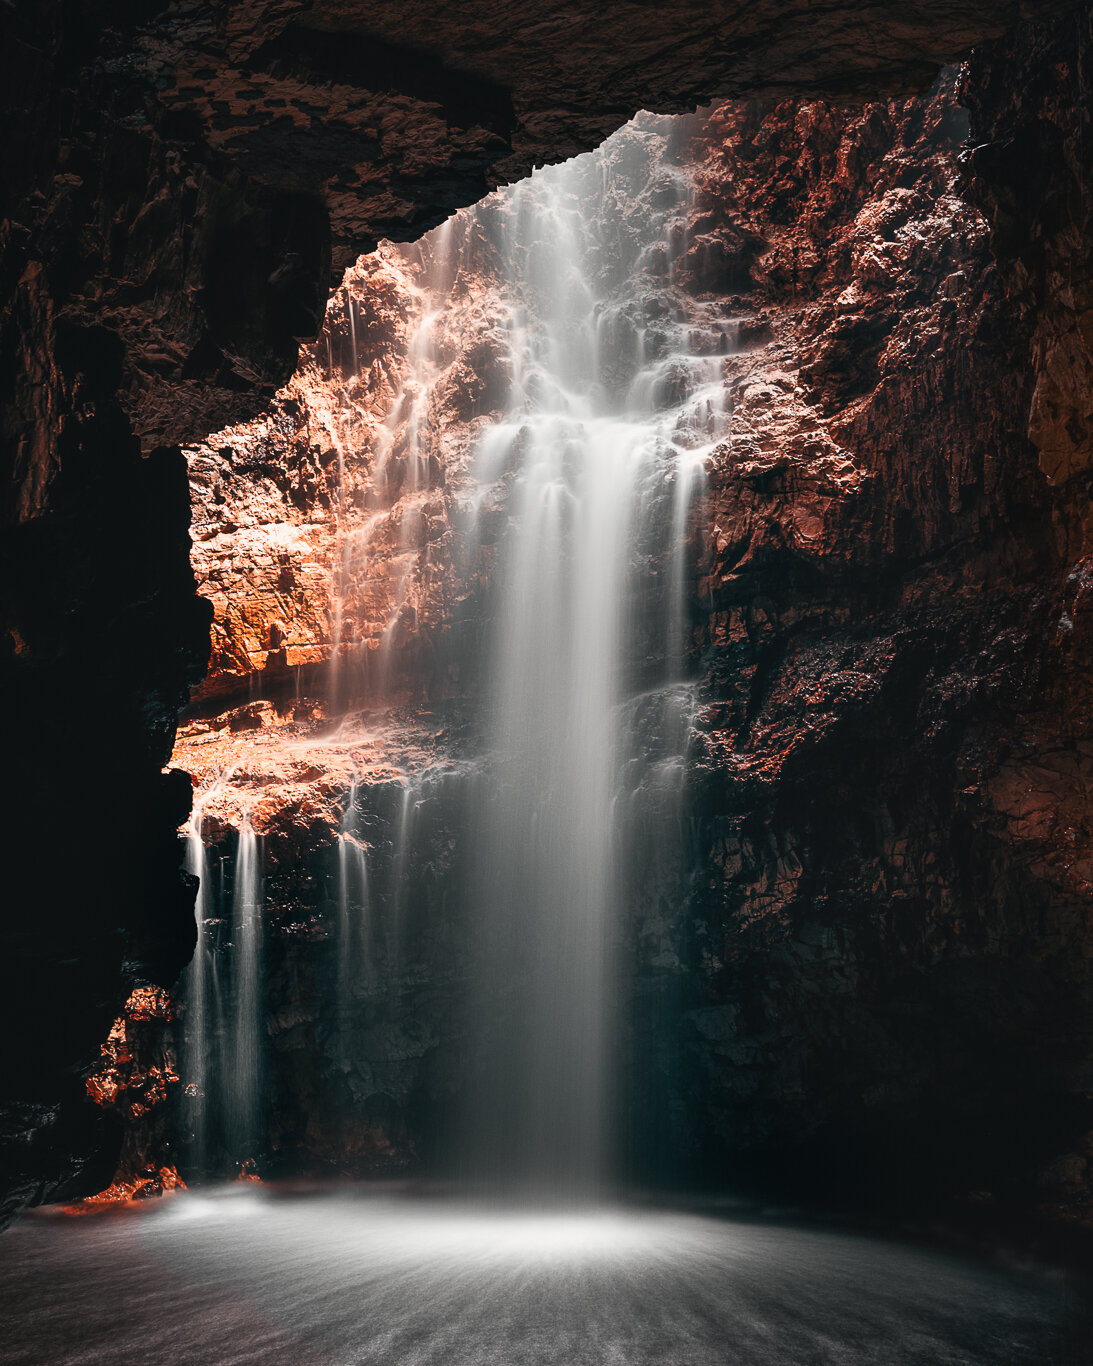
(201, 997)
(221, 1053)
(600, 454)
(353, 907)
(546, 842)
(556, 486)
(242, 1075)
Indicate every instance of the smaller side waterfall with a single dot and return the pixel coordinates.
(353, 967)
(221, 1047)
(400, 869)
(243, 1076)
(690, 475)
(202, 997)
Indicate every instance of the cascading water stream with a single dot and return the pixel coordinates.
(594, 466)
(222, 992)
(353, 910)
(243, 1076)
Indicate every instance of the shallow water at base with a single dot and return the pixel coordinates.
(242, 1277)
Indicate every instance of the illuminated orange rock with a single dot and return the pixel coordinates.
(127, 1079)
(125, 1192)
(136, 1078)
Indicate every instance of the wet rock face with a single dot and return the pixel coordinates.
(364, 944)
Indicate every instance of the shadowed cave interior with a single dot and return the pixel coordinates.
(586, 813)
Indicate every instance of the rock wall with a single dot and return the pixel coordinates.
(884, 988)
(179, 186)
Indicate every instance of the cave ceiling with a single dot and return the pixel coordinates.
(396, 113)
(256, 149)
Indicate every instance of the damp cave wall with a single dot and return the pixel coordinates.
(158, 271)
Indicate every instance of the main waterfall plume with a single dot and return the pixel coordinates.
(579, 498)
(585, 452)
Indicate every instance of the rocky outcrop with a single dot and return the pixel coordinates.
(324, 534)
(361, 952)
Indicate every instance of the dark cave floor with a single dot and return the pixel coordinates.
(252, 1275)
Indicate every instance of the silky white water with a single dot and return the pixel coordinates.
(354, 964)
(240, 1277)
(574, 502)
(223, 1006)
